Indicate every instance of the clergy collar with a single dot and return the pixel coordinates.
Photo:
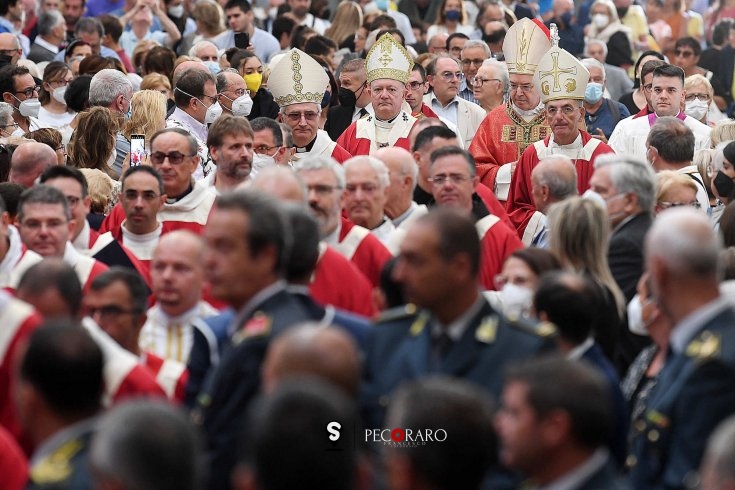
(174, 200)
(389, 121)
(530, 114)
(306, 148)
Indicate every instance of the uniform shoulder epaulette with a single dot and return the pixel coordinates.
(706, 345)
(57, 467)
(259, 325)
(398, 313)
(539, 329)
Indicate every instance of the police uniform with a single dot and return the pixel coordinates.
(234, 383)
(61, 461)
(401, 348)
(695, 392)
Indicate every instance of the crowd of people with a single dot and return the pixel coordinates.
(426, 244)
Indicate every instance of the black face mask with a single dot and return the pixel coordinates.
(5, 59)
(622, 11)
(347, 97)
(494, 37)
(724, 185)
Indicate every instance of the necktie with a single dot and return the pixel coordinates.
(441, 346)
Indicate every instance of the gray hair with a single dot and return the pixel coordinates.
(194, 51)
(559, 187)
(47, 21)
(107, 85)
(89, 25)
(6, 111)
(317, 104)
(381, 170)
(221, 79)
(43, 194)
(593, 63)
(630, 174)
(686, 242)
(319, 163)
(720, 455)
(502, 70)
(287, 135)
(474, 43)
(598, 43)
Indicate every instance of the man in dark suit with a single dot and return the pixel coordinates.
(696, 387)
(51, 33)
(553, 423)
(353, 98)
(247, 243)
(627, 186)
(454, 331)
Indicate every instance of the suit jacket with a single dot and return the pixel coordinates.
(606, 478)
(727, 65)
(695, 392)
(469, 117)
(399, 349)
(338, 118)
(617, 81)
(625, 253)
(38, 53)
(235, 382)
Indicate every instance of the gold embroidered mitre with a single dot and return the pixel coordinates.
(297, 78)
(559, 74)
(388, 59)
(524, 45)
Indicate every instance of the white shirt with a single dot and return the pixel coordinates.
(629, 136)
(45, 44)
(143, 245)
(48, 119)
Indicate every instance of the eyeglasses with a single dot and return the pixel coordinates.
(296, 116)
(29, 91)
(667, 205)
(110, 311)
(479, 81)
(14, 125)
(448, 76)
(212, 98)
(699, 97)
(174, 158)
(415, 85)
(468, 62)
(453, 178)
(61, 83)
(683, 54)
(567, 110)
(264, 148)
(323, 189)
(131, 195)
(524, 87)
(60, 148)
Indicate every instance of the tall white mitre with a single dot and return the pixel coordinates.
(560, 75)
(388, 59)
(524, 45)
(297, 78)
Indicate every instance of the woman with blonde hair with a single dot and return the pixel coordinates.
(722, 131)
(450, 18)
(92, 144)
(159, 83)
(699, 97)
(673, 190)
(209, 18)
(102, 190)
(580, 232)
(347, 20)
(148, 115)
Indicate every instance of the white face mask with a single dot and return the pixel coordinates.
(213, 112)
(516, 299)
(58, 95)
(636, 323)
(696, 109)
(262, 161)
(176, 11)
(29, 107)
(242, 105)
(600, 20)
(593, 196)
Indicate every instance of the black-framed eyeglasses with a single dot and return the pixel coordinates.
(174, 157)
(264, 148)
(29, 91)
(683, 54)
(468, 62)
(415, 85)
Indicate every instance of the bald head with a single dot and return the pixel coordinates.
(282, 183)
(188, 65)
(403, 177)
(553, 179)
(29, 161)
(312, 350)
(177, 273)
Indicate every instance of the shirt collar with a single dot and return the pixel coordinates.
(45, 44)
(457, 328)
(690, 324)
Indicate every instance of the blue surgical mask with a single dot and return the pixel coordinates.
(453, 15)
(129, 114)
(326, 99)
(382, 5)
(593, 93)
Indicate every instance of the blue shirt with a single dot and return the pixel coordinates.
(603, 118)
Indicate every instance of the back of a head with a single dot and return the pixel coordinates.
(296, 417)
(465, 445)
(10, 195)
(48, 274)
(304, 252)
(146, 445)
(64, 365)
(32, 158)
(683, 239)
(457, 235)
(558, 384)
(718, 464)
(566, 299)
(108, 84)
(673, 140)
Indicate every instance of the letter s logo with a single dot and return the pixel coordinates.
(333, 429)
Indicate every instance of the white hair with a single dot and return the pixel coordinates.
(381, 170)
(502, 70)
(322, 162)
(593, 63)
(107, 85)
(194, 51)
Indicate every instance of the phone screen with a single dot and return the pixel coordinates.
(242, 40)
(137, 149)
